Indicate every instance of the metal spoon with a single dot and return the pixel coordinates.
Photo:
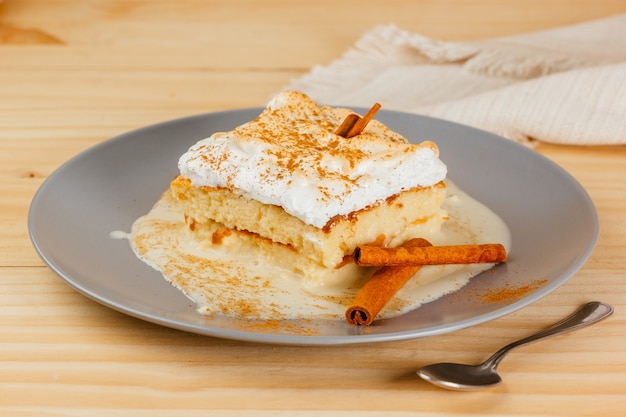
(472, 377)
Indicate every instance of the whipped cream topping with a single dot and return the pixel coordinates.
(289, 156)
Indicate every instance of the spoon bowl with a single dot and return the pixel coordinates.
(457, 376)
(473, 377)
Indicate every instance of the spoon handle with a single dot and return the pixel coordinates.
(587, 315)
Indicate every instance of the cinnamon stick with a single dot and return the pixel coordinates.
(354, 125)
(348, 123)
(381, 288)
(432, 255)
(360, 124)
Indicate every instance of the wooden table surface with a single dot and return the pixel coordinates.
(74, 73)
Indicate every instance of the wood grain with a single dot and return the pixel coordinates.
(74, 73)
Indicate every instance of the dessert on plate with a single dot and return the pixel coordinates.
(304, 195)
(288, 215)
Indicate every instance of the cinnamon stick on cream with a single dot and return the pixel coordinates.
(354, 125)
(360, 124)
(381, 288)
(348, 123)
(431, 255)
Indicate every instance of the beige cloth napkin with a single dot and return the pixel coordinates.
(563, 86)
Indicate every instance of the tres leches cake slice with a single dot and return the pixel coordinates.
(297, 194)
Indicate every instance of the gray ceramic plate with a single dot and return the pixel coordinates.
(552, 219)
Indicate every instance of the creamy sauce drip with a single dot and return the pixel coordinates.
(233, 283)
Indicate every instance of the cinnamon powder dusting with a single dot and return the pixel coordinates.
(509, 292)
(303, 327)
